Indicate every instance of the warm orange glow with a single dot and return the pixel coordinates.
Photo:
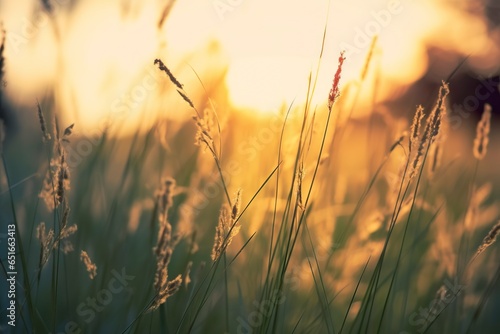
(268, 49)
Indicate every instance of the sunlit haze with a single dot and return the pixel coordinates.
(250, 166)
(266, 50)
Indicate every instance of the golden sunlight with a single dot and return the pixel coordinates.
(99, 54)
(250, 166)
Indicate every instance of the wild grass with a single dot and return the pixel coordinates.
(214, 227)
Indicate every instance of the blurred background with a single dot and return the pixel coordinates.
(246, 62)
(91, 61)
(89, 54)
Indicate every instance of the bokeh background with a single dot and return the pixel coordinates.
(93, 59)
(90, 63)
(90, 53)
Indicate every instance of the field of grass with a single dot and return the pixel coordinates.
(302, 222)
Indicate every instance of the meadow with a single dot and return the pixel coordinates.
(304, 221)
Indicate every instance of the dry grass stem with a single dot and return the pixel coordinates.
(369, 58)
(2, 134)
(51, 240)
(164, 14)
(2, 58)
(435, 154)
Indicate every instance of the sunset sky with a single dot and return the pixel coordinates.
(106, 48)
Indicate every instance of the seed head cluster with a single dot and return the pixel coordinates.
(165, 245)
(227, 228)
(431, 132)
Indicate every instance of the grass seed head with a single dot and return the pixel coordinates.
(489, 239)
(46, 243)
(68, 131)
(432, 129)
(40, 232)
(62, 179)
(43, 125)
(300, 179)
(163, 251)
(335, 90)
(185, 98)
(167, 290)
(482, 134)
(439, 112)
(236, 206)
(57, 178)
(165, 69)
(67, 247)
(165, 198)
(187, 273)
(220, 230)
(65, 218)
(204, 129)
(415, 127)
(68, 231)
(89, 265)
(225, 231)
